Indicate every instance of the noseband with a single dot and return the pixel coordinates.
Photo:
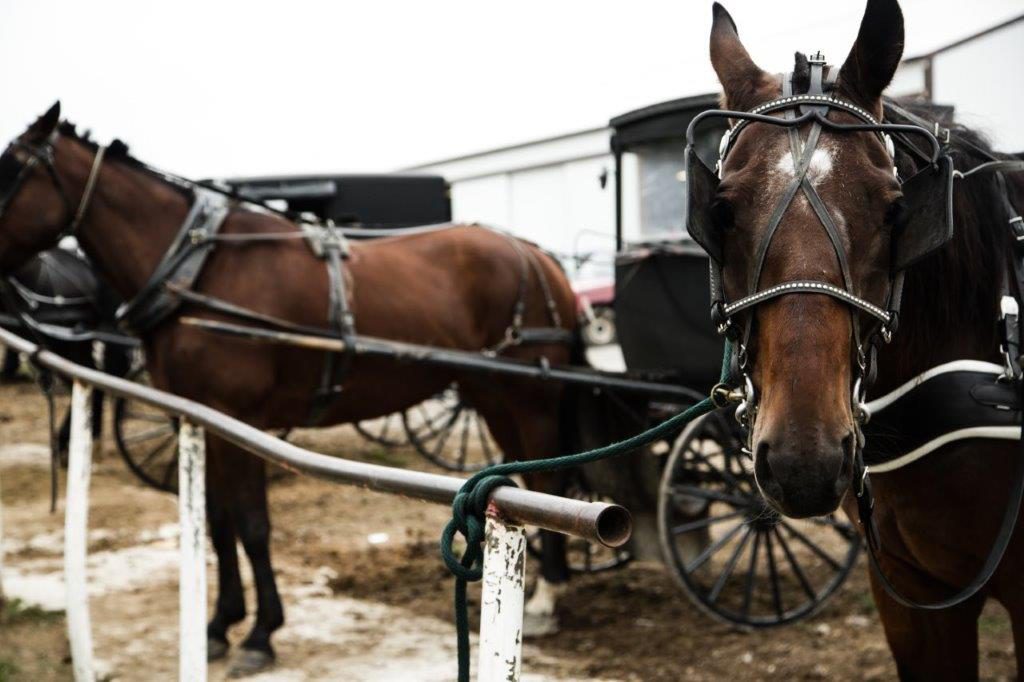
(791, 111)
(44, 155)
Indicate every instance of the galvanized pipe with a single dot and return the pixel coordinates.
(608, 524)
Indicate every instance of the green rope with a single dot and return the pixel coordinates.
(471, 501)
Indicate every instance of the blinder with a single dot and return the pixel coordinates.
(929, 214)
(702, 186)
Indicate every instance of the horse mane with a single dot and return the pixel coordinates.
(117, 150)
(950, 300)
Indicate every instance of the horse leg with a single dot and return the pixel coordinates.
(252, 522)
(930, 645)
(539, 436)
(230, 605)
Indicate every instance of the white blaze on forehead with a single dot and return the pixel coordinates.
(818, 170)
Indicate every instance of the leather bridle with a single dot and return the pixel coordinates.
(791, 111)
(43, 155)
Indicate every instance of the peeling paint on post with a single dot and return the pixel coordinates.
(76, 529)
(501, 608)
(192, 540)
(2, 598)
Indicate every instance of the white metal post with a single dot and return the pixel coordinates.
(501, 608)
(2, 598)
(76, 530)
(192, 540)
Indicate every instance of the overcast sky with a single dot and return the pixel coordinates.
(222, 88)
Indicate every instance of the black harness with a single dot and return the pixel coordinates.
(928, 198)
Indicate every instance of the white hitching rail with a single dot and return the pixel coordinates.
(504, 551)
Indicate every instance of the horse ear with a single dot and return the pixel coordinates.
(876, 53)
(740, 77)
(45, 124)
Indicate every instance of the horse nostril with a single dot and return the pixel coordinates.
(766, 481)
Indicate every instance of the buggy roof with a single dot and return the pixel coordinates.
(665, 120)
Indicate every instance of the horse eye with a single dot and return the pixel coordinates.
(722, 214)
(896, 213)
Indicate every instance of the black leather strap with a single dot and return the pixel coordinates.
(180, 266)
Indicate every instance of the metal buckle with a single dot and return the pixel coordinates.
(1009, 309)
(863, 481)
(1017, 225)
(817, 58)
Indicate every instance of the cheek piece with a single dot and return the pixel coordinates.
(14, 173)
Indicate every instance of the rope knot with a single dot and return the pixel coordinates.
(468, 510)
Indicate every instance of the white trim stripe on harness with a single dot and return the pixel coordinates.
(980, 366)
(809, 287)
(990, 432)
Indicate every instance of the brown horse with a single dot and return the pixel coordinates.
(938, 516)
(452, 288)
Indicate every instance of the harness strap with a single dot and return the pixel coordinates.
(992, 561)
(90, 187)
(339, 318)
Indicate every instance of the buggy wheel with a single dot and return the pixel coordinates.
(583, 556)
(388, 430)
(147, 440)
(738, 559)
(450, 433)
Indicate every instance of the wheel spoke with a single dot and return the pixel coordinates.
(149, 433)
(153, 418)
(172, 467)
(844, 529)
(464, 441)
(748, 590)
(442, 438)
(385, 427)
(704, 523)
(707, 494)
(811, 546)
(160, 447)
(804, 582)
(730, 566)
(723, 473)
(480, 429)
(702, 558)
(773, 575)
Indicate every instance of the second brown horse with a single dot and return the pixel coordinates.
(453, 288)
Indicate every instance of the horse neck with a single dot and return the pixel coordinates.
(131, 221)
(951, 299)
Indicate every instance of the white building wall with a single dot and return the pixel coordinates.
(981, 78)
(549, 191)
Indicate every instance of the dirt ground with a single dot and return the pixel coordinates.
(365, 594)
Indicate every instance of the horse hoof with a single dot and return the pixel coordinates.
(539, 624)
(216, 649)
(250, 662)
